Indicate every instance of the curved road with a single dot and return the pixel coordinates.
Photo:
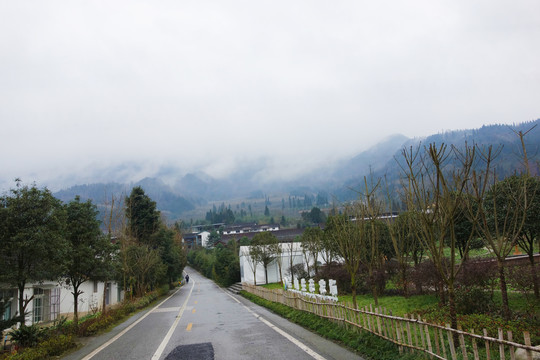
(201, 321)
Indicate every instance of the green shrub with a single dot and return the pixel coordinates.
(53, 346)
(35, 353)
(28, 336)
(473, 300)
(57, 345)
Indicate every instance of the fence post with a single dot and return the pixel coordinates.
(398, 332)
(379, 330)
(409, 335)
(475, 347)
(436, 339)
(512, 352)
(385, 323)
(441, 336)
(415, 326)
(527, 338)
(451, 342)
(488, 355)
(428, 339)
(501, 346)
(421, 331)
(462, 344)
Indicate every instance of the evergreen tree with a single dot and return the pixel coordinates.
(89, 249)
(32, 243)
(142, 215)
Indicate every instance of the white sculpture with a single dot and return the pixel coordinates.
(296, 284)
(322, 287)
(333, 287)
(311, 285)
(303, 283)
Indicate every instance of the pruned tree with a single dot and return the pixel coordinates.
(531, 227)
(436, 177)
(348, 237)
(502, 211)
(253, 257)
(311, 246)
(407, 247)
(289, 249)
(265, 243)
(329, 250)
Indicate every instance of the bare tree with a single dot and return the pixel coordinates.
(290, 250)
(436, 179)
(252, 256)
(501, 213)
(349, 240)
(264, 244)
(311, 246)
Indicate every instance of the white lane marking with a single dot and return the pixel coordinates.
(295, 341)
(169, 309)
(167, 337)
(95, 352)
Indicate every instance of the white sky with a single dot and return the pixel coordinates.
(205, 84)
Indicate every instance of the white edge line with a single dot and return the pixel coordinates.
(167, 337)
(289, 337)
(99, 349)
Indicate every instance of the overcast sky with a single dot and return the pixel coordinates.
(205, 84)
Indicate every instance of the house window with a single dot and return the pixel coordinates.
(6, 297)
(95, 286)
(38, 305)
(55, 303)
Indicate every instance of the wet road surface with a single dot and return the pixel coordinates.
(203, 322)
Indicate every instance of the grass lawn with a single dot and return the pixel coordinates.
(399, 305)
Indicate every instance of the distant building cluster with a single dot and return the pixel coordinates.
(200, 234)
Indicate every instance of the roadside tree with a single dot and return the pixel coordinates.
(89, 250)
(32, 242)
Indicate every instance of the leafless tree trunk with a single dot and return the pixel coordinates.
(435, 185)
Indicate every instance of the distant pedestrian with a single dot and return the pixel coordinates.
(187, 278)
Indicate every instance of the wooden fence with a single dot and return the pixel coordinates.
(410, 333)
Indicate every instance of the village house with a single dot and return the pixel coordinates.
(50, 301)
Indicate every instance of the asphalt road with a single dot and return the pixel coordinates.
(202, 322)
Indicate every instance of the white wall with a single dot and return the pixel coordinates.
(88, 300)
(246, 271)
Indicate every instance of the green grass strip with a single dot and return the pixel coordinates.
(363, 343)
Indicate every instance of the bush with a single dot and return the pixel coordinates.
(57, 345)
(480, 273)
(299, 271)
(425, 277)
(473, 300)
(28, 336)
(337, 272)
(53, 346)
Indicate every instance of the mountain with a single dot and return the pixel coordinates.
(338, 179)
(168, 201)
(373, 159)
(503, 138)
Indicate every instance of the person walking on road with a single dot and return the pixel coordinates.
(187, 278)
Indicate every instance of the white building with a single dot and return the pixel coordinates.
(288, 250)
(52, 300)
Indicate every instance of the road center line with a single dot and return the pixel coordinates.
(167, 337)
(289, 337)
